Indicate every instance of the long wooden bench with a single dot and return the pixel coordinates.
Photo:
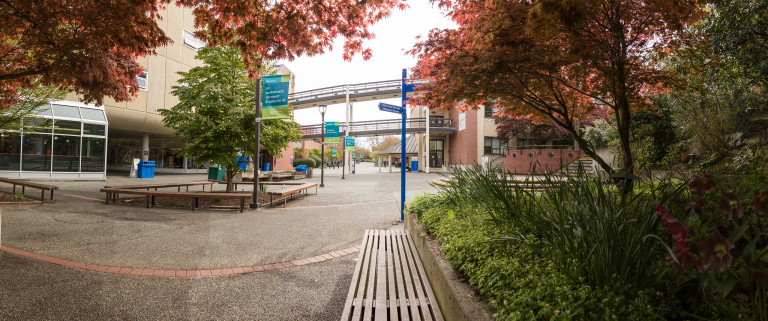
(114, 194)
(156, 186)
(389, 282)
(25, 184)
(290, 189)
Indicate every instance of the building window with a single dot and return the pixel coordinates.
(494, 146)
(142, 80)
(10, 151)
(192, 41)
(490, 110)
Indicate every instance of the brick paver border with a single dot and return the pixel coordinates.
(180, 273)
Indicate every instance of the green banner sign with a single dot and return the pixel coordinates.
(274, 98)
(332, 132)
(350, 145)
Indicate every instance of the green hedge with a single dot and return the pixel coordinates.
(317, 160)
(305, 161)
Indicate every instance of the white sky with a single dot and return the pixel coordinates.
(394, 36)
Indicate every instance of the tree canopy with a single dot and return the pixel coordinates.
(216, 112)
(551, 61)
(92, 45)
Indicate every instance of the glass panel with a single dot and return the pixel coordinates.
(44, 110)
(66, 154)
(66, 111)
(66, 127)
(123, 150)
(36, 151)
(93, 129)
(165, 153)
(10, 148)
(93, 114)
(38, 125)
(93, 154)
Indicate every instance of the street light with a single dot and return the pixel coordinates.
(255, 201)
(322, 109)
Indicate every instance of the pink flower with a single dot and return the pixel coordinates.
(696, 206)
(731, 204)
(761, 202)
(702, 183)
(715, 252)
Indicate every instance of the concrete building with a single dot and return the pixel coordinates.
(63, 133)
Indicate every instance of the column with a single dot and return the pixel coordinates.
(145, 147)
(389, 162)
(426, 137)
(378, 162)
(346, 133)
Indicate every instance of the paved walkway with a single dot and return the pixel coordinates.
(77, 258)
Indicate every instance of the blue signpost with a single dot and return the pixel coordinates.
(402, 150)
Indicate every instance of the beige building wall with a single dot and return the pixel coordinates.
(141, 114)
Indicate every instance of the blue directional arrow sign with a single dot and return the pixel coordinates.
(391, 108)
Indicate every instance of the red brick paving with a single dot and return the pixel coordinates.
(179, 273)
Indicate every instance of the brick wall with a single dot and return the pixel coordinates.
(463, 144)
(546, 160)
(284, 162)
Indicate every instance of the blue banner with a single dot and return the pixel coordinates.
(350, 144)
(274, 98)
(332, 132)
(333, 152)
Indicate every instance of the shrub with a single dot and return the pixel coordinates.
(317, 160)
(304, 161)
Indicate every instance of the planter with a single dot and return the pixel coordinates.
(456, 298)
(300, 176)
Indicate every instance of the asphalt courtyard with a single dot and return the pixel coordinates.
(78, 259)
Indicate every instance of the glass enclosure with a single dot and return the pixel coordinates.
(63, 139)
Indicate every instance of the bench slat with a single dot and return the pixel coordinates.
(371, 276)
(430, 295)
(402, 303)
(422, 285)
(358, 280)
(405, 272)
(391, 289)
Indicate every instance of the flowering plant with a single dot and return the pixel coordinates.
(719, 241)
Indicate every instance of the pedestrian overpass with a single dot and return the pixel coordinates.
(351, 93)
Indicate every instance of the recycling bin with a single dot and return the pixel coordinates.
(146, 169)
(301, 168)
(267, 167)
(215, 173)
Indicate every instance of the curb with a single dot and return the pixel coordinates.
(180, 273)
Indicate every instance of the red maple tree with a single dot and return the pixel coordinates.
(91, 46)
(88, 46)
(551, 61)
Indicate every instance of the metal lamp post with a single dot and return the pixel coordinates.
(322, 109)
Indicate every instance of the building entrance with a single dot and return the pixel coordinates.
(436, 153)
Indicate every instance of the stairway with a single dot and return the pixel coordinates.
(586, 163)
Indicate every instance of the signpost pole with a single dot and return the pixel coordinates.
(256, 165)
(402, 151)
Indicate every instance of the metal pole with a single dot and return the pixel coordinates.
(322, 149)
(402, 152)
(256, 165)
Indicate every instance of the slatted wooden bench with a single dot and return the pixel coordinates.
(290, 189)
(156, 186)
(389, 282)
(114, 194)
(25, 184)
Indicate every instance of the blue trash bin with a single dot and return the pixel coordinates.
(243, 160)
(301, 168)
(146, 169)
(267, 167)
(414, 166)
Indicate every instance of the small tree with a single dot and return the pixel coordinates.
(29, 101)
(216, 113)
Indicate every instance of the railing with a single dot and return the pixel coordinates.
(519, 147)
(392, 125)
(341, 90)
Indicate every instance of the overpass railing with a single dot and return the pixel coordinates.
(389, 125)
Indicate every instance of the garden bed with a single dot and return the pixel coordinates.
(8, 198)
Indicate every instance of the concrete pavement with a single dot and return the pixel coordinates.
(79, 227)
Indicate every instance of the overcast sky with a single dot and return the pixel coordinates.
(394, 36)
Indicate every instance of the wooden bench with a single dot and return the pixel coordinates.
(156, 186)
(389, 282)
(290, 189)
(280, 176)
(25, 184)
(114, 194)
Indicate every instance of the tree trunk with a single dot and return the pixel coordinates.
(230, 174)
(590, 152)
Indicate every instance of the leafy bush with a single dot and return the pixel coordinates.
(304, 161)
(518, 282)
(317, 160)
